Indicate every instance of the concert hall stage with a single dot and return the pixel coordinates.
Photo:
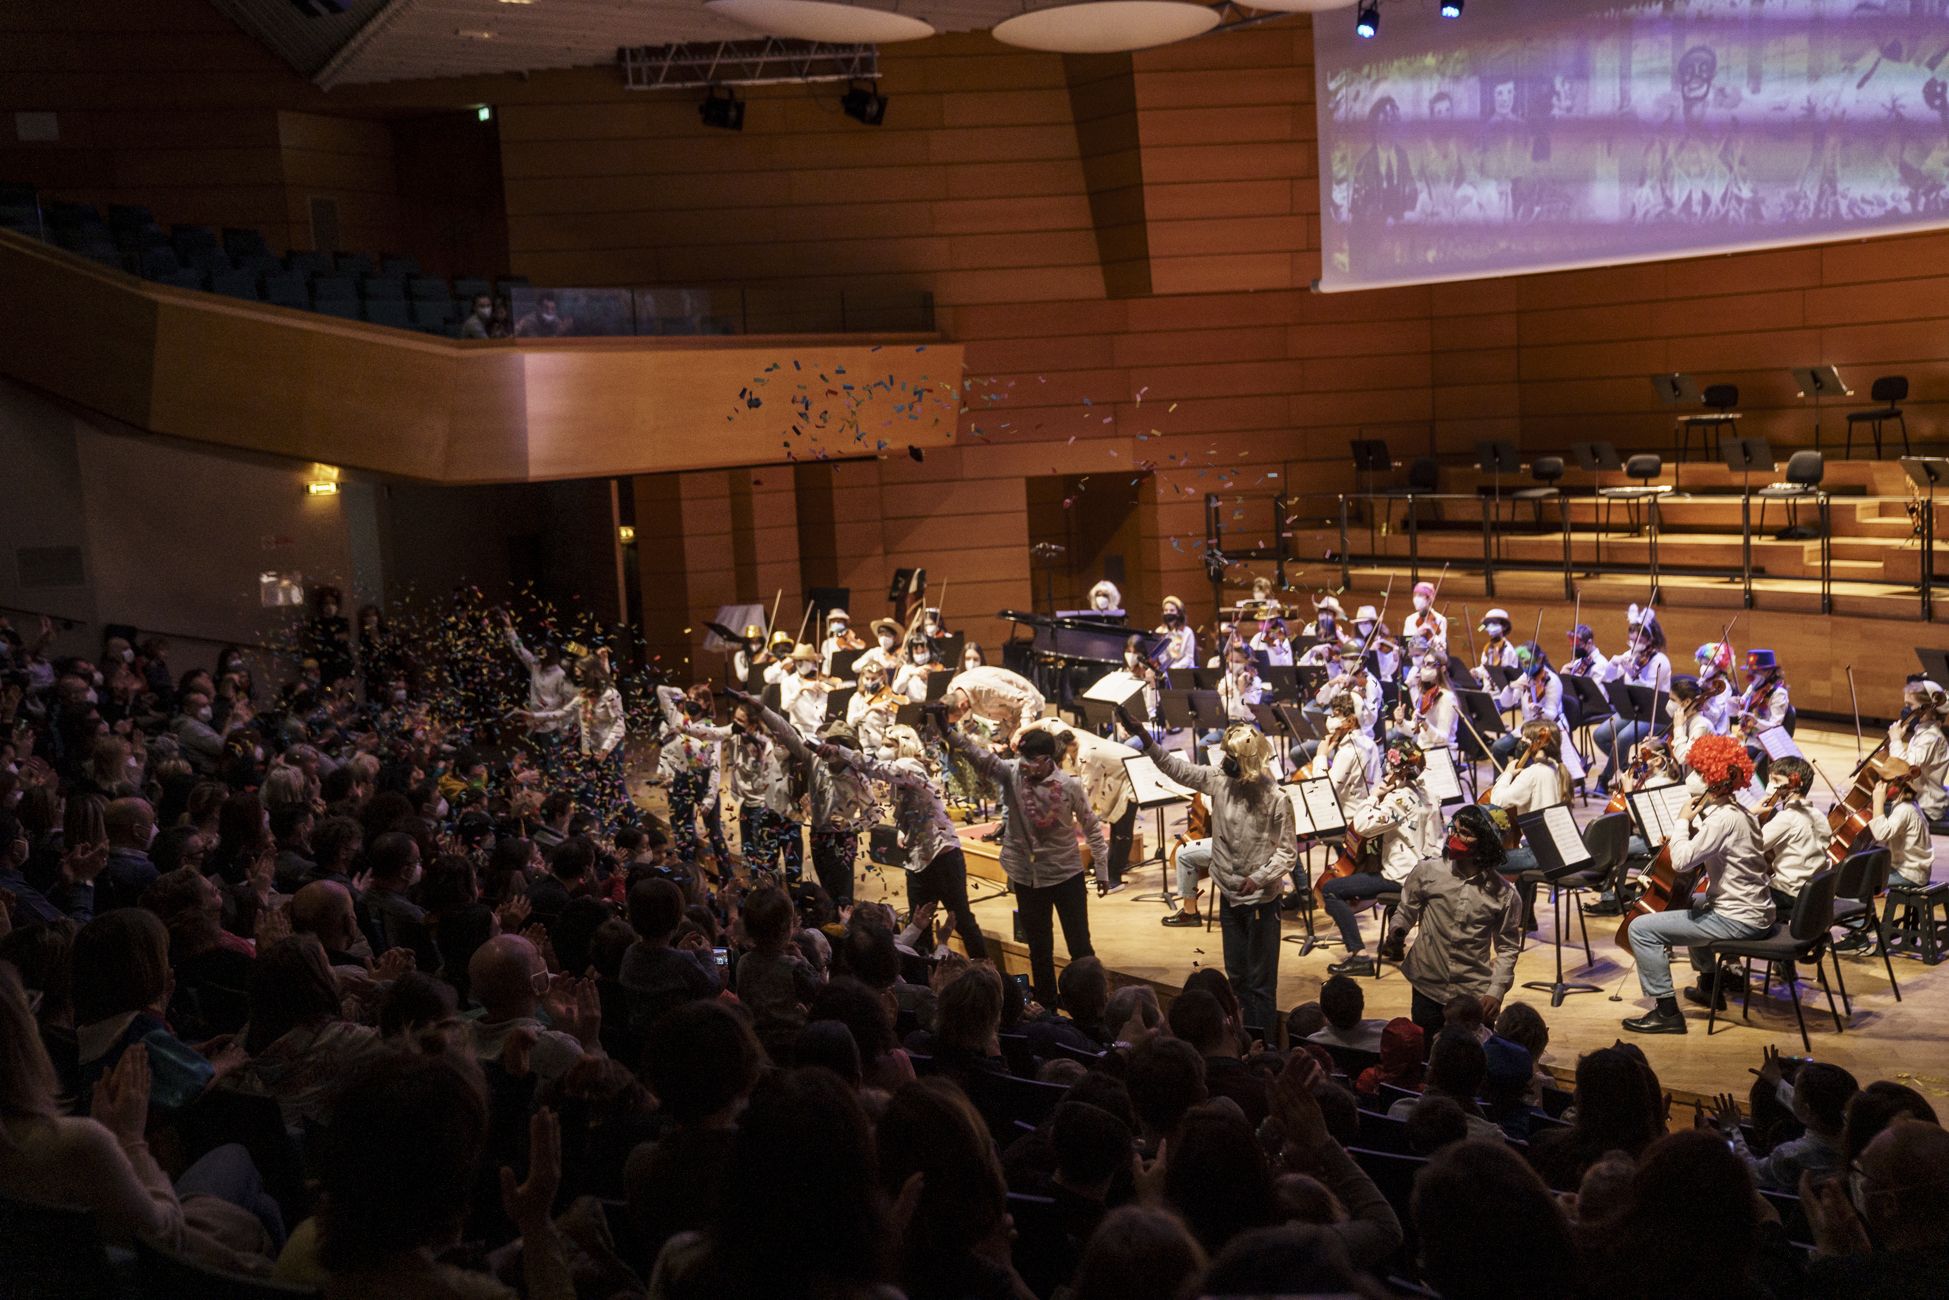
(1907, 1040)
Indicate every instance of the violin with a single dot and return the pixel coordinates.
(1664, 888)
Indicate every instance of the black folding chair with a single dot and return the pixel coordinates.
(1804, 938)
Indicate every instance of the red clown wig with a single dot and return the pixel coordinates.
(1721, 762)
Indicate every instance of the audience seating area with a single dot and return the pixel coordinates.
(238, 263)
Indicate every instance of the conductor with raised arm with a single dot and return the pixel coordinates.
(1253, 847)
(1047, 814)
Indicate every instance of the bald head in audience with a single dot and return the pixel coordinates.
(501, 976)
(131, 823)
(323, 909)
(1905, 1186)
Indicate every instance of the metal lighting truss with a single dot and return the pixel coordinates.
(769, 61)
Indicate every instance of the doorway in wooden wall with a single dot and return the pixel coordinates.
(1093, 519)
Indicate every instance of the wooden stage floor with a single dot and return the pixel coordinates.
(1907, 1040)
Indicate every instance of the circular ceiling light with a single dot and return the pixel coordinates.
(1298, 6)
(1106, 26)
(822, 20)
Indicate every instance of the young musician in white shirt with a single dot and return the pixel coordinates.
(1428, 709)
(1793, 832)
(1407, 824)
(1717, 836)
(1644, 663)
(1917, 739)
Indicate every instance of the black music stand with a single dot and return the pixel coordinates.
(1553, 837)
(1926, 472)
(1370, 457)
(1149, 792)
(1208, 712)
(1496, 458)
(1284, 681)
(1745, 455)
(1594, 706)
(1295, 792)
(1818, 382)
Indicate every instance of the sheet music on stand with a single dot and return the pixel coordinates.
(1777, 743)
(1657, 810)
(1302, 820)
(1553, 836)
(1149, 784)
(1118, 687)
(1322, 805)
(1440, 780)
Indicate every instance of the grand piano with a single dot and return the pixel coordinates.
(1063, 654)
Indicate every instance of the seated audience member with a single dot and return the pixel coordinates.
(1291, 1259)
(569, 874)
(823, 1235)
(1694, 1193)
(701, 1063)
(1818, 1098)
(1139, 1253)
(1883, 1232)
(1166, 1078)
(773, 981)
(1132, 1013)
(884, 1064)
(121, 994)
(1433, 1123)
(967, 1026)
(1197, 1018)
(512, 985)
(662, 975)
(1084, 989)
(1523, 1249)
(1617, 1108)
(1092, 1149)
(1304, 1020)
(300, 1044)
(102, 1162)
(398, 1168)
(393, 861)
(71, 895)
(1343, 1004)
(131, 827)
(1216, 1176)
(335, 842)
(957, 1239)
(1523, 1025)
(1402, 1059)
(1507, 1079)
(1873, 1109)
(1456, 1068)
(417, 1006)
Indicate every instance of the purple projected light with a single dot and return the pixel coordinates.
(1547, 134)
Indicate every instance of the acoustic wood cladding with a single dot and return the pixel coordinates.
(295, 384)
(349, 161)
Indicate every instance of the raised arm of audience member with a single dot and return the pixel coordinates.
(1372, 1231)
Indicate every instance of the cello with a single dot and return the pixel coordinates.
(1664, 888)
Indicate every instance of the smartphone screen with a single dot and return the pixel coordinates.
(722, 956)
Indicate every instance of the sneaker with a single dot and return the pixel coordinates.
(1104, 891)
(1357, 964)
(1656, 1022)
(1183, 919)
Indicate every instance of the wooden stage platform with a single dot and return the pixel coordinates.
(1907, 1040)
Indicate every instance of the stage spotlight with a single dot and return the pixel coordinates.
(1367, 24)
(1452, 8)
(863, 102)
(724, 111)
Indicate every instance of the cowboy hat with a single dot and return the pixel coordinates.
(1497, 615)
(1331, 605)
(838, 616)
(1367, 614)
(805, 654)
(781, 641)
(752, 632)
(886, 627)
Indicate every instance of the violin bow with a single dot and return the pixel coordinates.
(771, 624)
(1468, 625)
(1856, 702)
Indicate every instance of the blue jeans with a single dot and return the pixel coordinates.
(228, 1174)
(1505, 746)
(1653, 938)
(1340, 896)
(1252, 957)
(692, 796)
(1194, 856)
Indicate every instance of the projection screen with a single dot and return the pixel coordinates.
(1538, 135)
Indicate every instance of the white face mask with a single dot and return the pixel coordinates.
(204, 714)
(887, 641)
(1420, 603)
(838, 626)
(1132, 659)
(971, 661)
(1497, 631)
(921, 656)
(1103, 602)
(1427, 677)
(1695, 785)
(1366, 629)
(887, 753)
(807, 668)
